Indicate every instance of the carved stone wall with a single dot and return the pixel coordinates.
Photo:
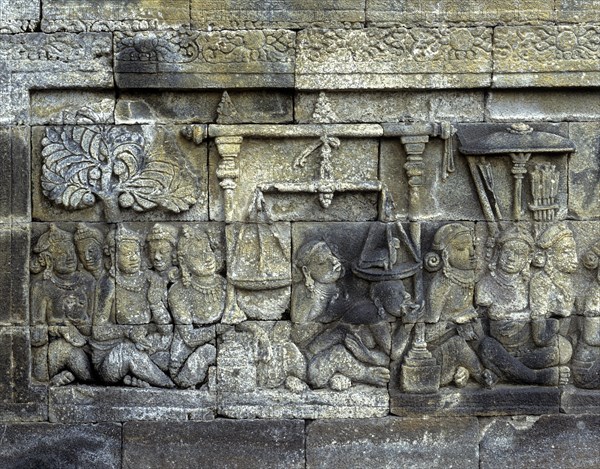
(299, 233)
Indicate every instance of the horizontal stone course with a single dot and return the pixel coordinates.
(251, 14)
(67, 446)
(221, 443)
(547, 441)
(393, 442)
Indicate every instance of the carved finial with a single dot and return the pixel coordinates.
(226, 111)
(520, 129)
(195, 133)
(323, 113)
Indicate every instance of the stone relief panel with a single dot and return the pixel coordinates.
(422, 267)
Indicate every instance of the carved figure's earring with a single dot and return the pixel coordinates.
(308, 280)
(433, 262)
(48, 263)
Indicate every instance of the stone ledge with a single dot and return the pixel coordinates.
(353, 403)
(501, 400)
(101, 404)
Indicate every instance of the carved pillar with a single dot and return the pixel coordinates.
(228, 170)
(519, 170)
(414, 145)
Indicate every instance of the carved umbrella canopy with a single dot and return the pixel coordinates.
(519, 142)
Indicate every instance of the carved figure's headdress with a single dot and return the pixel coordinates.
(516, 233)
(162, 233)
(553, 235)
(447, 233)
(53, 236)
(193, 238)
(123, 234)
(85, 232)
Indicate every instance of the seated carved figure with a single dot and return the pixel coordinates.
(586, 358)
(316, 311)
(504, 292)
(196, 301)
(551, 292)
(60, 311)
(126, 316)
(452, 325)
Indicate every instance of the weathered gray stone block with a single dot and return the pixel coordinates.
(393, 442)
(394, 106)
(184, 107)
(19, 16)
(584, 171)
(394, 58)
(431, 13)
(359, 402)
(557, 441)
(264, 371)
(542, 105)
(113, 15)
(454, 197)
(52, 107)
(545, 56)
(183, 59)
(249, 14)
(15, 200)
(15, 365)
(69, 446)
(14, 274)
(577, 11)
(120, 404)
(579, 401)
(222, 443)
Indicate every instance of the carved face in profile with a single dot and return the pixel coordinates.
(514, 256)
(563, 255)
(391, 296)
(64, 259)
(129, 257)
(323, 266)
(90, 254)
(161, 254)
(460, 252)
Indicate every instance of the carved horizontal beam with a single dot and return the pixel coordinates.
(301, 130)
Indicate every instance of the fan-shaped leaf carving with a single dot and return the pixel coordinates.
(84, 163)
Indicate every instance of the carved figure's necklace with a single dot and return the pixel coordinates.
(463, 280)
(502, 280)
(212, 290)
(135, 284)
(62, 283)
